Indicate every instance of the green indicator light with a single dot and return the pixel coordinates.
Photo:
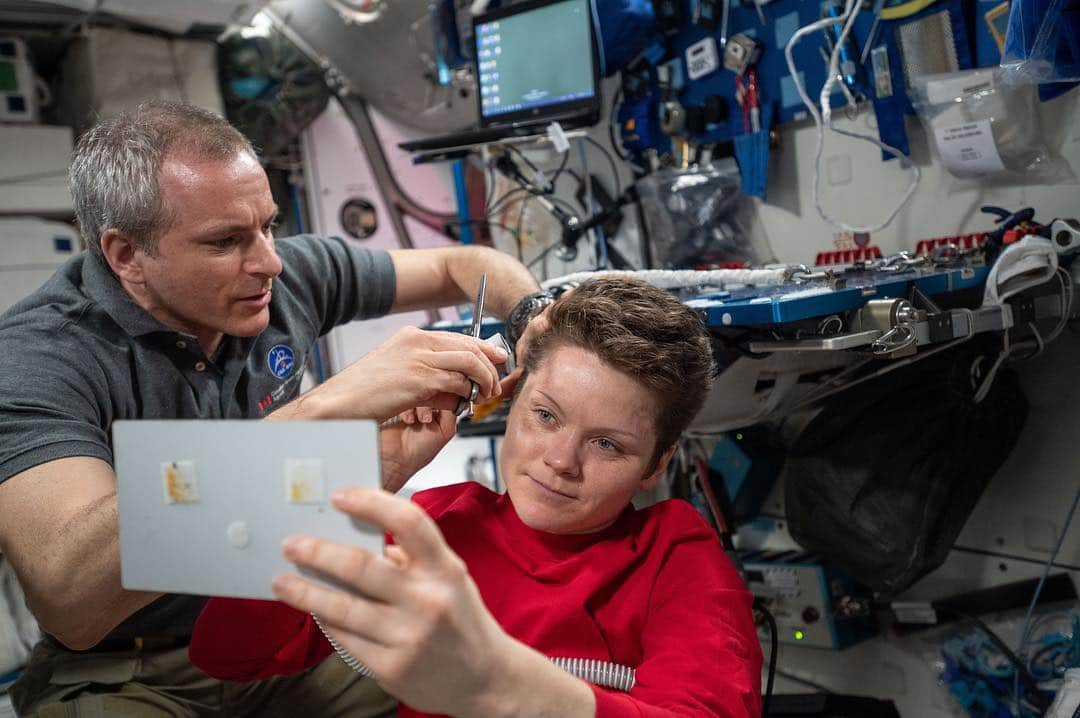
(738, 437)
(8, 79)
(799, 635)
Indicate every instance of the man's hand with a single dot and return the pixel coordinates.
(413, 368)
(417, 619)
(409, 441)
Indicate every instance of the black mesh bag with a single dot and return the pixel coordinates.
(881, 482)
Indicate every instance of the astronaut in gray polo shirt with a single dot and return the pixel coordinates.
(185, 306)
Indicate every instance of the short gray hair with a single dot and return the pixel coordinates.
(114, 170)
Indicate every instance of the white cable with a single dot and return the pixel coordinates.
(823, 118)
(676, 278)
(1022, 265)
(1007, 350)
(601, 673)
(350, 660)
(1066, 304)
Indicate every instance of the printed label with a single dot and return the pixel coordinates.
(701, 58)
(959, 85)
(879, 60)
(968, 150)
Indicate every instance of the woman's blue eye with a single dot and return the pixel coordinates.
(607, 444)
(544, 416)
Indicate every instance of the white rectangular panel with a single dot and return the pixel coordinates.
(205, 505)
(34, 170)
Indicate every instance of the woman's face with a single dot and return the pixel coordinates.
(579, 441)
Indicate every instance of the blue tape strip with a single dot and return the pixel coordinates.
(466, 232)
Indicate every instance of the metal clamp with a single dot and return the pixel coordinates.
(803, 273)
(897, 339)
(900, 262)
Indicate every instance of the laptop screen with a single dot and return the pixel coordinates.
(535, 60)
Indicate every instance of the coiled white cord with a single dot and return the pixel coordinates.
(601, 673)
(824, 117)
(350, 660)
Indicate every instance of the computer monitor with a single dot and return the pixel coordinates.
(536, 61)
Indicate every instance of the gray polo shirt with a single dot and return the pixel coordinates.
(79, 353)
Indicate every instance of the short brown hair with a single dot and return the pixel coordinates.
(114, 170)
(642, 331)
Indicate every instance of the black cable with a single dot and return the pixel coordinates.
(611, 162)
(554, 178)
(531, 192)
(564, 204)
(544, 253)
(804, 681)
(559, 170)
(1022, 671)
(774, 646)
(497, 204)
(611, 126)
(536, 170)
(1014, 557)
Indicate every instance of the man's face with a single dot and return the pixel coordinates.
(579, 440)
(212, 271)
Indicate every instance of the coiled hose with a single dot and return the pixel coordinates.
(601, 673)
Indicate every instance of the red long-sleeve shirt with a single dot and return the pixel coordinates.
(653, 591)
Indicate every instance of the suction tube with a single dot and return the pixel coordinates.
(601, 673)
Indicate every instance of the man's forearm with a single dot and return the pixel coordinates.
(315, 404)
(508, 279)
(77, 596)
(432, 278)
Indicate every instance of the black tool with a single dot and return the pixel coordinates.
(995, 240)
(574, 229)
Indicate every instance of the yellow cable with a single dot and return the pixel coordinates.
(903, 10)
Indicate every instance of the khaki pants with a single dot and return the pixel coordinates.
(59, 683)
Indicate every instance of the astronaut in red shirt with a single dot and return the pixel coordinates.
(462, 613)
